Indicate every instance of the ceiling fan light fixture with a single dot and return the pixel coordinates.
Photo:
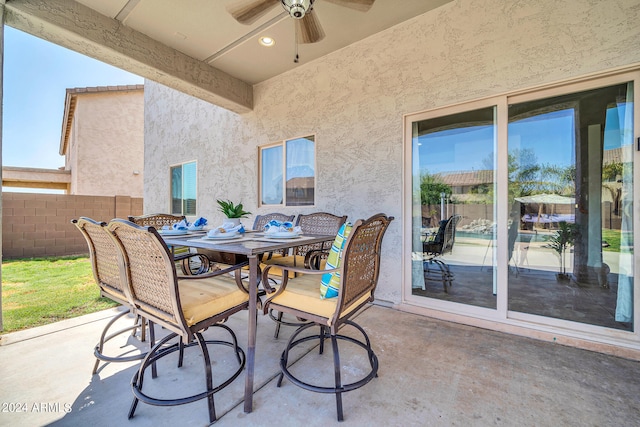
(297, 8)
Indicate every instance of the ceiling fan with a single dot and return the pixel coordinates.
(308, 28)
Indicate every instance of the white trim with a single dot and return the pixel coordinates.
(171, 166)
(604, 344)
(502, 209)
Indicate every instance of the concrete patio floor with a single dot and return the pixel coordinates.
(431, 373)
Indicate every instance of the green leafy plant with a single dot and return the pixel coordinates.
(232, 211)
(560, 241)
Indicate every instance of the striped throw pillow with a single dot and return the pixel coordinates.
(330, 283)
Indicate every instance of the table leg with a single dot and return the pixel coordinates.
(253, 323)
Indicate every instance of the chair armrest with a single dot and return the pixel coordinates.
(216, 272)
(285, 275)
(313, 257)
(237, 268)
(180, 257)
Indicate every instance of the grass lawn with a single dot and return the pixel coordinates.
(39, 291)
(612, 237)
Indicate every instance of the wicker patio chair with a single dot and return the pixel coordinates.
(439, 245)
(185, 307)
(309, 256)
(107, 275)
(190, 262)
(261, 220)
(300, 296)
(157, 220)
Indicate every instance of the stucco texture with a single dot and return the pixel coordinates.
(354, 100)
(106, 146)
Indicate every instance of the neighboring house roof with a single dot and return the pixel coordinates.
(467, 178)
(70, 105)
(613, 155)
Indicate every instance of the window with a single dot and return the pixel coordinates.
(183, 189)
(287, 173)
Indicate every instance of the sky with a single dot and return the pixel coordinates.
(36, 76)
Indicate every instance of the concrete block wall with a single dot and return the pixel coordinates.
(39, 225)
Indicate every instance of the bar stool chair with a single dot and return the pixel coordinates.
(357, 273)
(309, 256)
(185, 307)
(191, 263)
(107, 275)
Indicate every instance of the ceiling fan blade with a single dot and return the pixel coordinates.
(360, 5)
(248, 12)
(309, 29)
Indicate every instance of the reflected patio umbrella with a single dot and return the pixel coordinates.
(549, 199)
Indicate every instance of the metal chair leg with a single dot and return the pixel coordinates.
(338, 389)
(99, 348)
(161, 349)
(278, 323)
(336, 369)
(207, 368)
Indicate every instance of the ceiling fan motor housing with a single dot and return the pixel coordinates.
(297, 8)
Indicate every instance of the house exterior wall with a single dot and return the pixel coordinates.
(106, 144)
(354, 100)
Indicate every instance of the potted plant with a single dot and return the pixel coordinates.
(232, 211)
(560, 242)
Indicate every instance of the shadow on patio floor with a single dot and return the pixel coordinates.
(431, 373)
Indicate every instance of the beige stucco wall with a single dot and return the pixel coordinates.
(354, 101)
(106, 144)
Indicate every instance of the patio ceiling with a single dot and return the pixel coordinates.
(196, 46)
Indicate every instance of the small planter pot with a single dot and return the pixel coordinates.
(235, 221)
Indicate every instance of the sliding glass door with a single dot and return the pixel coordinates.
(453, 207)
(571, 198)
(522, 207)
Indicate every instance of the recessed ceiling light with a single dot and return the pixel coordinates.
(267, 41)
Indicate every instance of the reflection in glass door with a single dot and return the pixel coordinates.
(453, 228)
(571, 207)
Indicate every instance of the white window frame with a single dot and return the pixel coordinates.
(283, 145)
(195, 189)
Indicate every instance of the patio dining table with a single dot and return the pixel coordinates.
(251, 245)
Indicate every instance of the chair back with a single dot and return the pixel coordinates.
(103, 252)
(262, 220)
(156, 220)
(318, 223)
(151, 274)
(360, 265)
(449, 237)
(445, 237)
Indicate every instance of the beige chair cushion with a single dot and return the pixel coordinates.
(204, 298)
(302, 294)
(283, 260)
